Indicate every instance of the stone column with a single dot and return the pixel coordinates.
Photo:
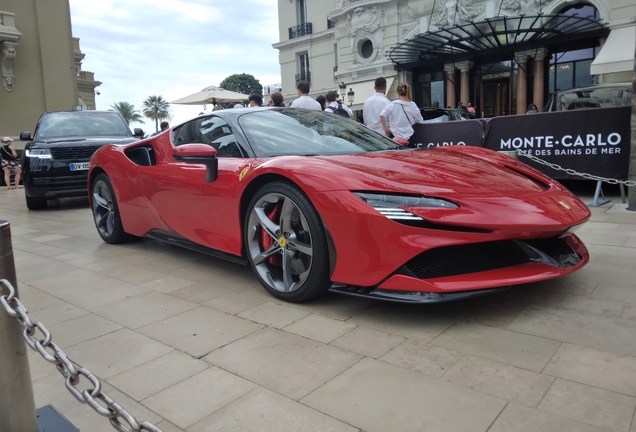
(538, 89)
(464, 89)
(451, 98)
(522, 82)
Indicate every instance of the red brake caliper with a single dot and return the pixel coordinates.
(267, 240)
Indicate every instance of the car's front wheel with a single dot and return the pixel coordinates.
(286, 244)
(106, 211)
(35, 203)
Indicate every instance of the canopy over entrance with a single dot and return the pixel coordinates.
(617, 54)
(494, 36)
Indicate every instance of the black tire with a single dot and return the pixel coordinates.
(35, 203)
(297, 226)
(106, 211)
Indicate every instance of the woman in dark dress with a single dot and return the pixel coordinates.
(10, 163)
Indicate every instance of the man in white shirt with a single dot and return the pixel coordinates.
(374, 105)
(305, 101)
(335, 106)
(255, 100)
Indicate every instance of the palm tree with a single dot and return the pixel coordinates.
(157, 108)
(128, 112)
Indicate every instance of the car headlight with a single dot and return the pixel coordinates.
(389, 205)
(40, 153)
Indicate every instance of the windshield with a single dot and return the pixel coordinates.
(81, 124)
(295, 131)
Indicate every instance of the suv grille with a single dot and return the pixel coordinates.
(80, 152)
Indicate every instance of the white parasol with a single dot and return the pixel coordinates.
(211, 95)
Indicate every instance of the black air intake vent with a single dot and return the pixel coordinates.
(479, 257)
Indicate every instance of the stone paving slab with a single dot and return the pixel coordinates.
(194, 344)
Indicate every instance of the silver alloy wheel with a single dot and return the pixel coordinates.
(103, 209)
(292, 244)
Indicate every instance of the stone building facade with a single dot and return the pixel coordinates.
(500, 55)
(40, 64)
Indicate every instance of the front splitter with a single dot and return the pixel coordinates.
(410, 297)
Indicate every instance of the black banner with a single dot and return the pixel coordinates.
(459, 132)
(594, 141)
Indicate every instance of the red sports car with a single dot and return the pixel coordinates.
(316, 202)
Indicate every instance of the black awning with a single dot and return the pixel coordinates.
(492, 35)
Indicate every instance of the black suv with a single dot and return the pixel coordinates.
(55, 161)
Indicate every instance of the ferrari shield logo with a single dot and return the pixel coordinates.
(564, 205)
(245, 170)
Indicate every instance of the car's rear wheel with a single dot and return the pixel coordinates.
(106, 211)
(286, 244)
(35, 203)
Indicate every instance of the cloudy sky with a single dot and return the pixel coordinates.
(174, 48)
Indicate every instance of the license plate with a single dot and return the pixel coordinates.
(81, 166)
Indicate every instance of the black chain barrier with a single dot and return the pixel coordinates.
(72, 372)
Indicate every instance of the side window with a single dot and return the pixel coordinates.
(186, 134)
(216, 132)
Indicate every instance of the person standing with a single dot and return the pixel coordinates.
(305, 101)
(374, 105)
(532, 109)
(335, 106)
(277, 100)
(322, 100)
(255, 100)
(399, 116)
(164, 126)
(471, 108)
(10, 163)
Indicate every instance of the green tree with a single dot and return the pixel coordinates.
(242, 83)
(128, 112)
(157, 108)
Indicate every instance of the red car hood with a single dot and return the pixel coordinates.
(492, 190)
(434, 172)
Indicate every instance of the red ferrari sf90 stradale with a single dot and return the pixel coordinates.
(316, 202)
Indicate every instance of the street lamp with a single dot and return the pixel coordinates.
(343, 88)
(350, 95)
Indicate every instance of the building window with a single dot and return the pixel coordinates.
(366, 49)
(430, 92)
(303, 68)
(582, 10)
(301, 11)
(303, 28)
(571, 69)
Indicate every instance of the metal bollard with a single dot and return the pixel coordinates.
(17, 406)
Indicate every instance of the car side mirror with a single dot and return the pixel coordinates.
(199, 154)
(26, 136)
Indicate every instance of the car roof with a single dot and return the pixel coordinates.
(81, 111)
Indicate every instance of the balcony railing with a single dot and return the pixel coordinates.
(272, 88)
(304, 76)
(300, 30)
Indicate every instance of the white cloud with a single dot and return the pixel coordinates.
(174, 48)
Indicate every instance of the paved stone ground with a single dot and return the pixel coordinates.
(193, 343)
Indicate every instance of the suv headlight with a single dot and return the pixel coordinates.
(40, 153)
(389, 205)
